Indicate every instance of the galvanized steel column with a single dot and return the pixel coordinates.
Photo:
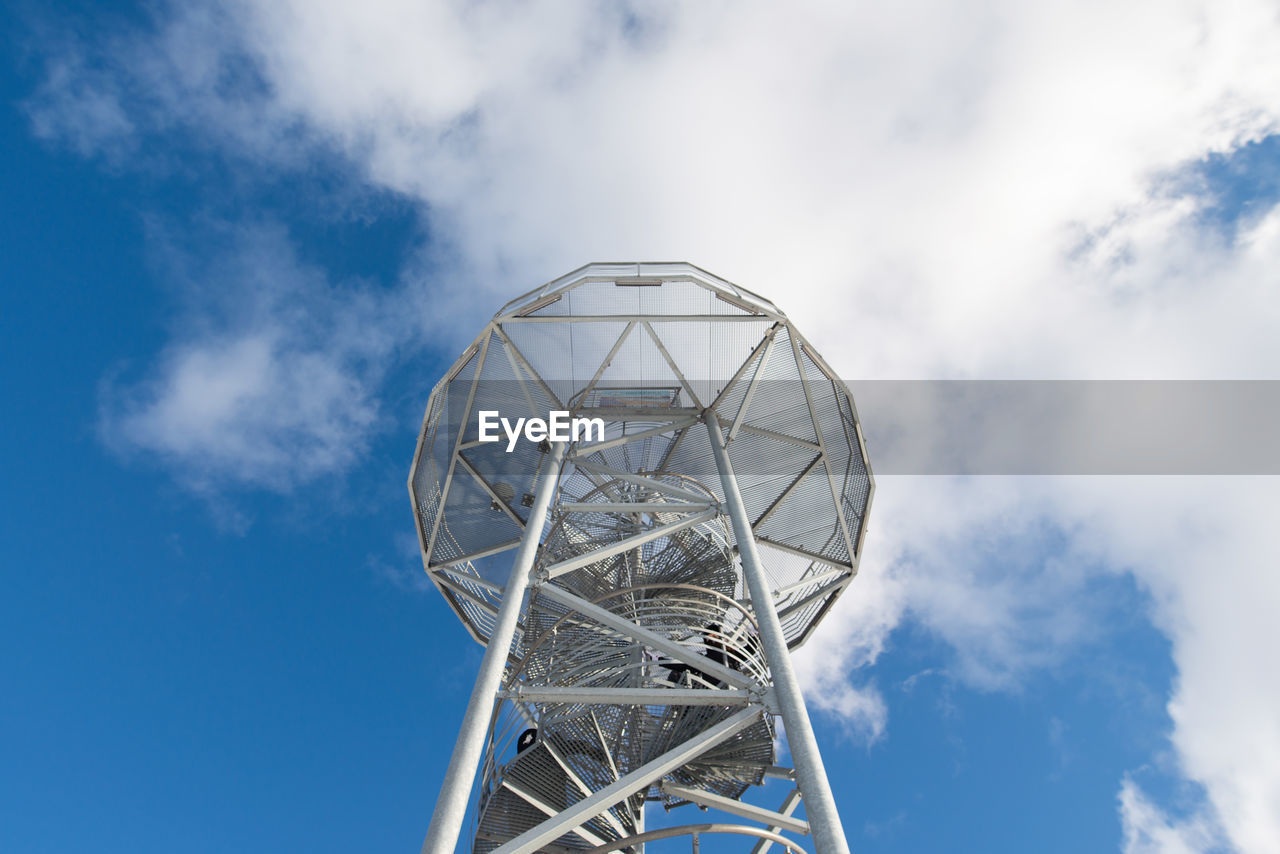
(819, 804)
(451, 805)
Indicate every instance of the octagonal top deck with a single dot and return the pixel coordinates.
(653, 349)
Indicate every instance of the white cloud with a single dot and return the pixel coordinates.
(80, 109)
(1149, 830)
(929, 189)
(1205, 548)
(966, 558)
(271, 379)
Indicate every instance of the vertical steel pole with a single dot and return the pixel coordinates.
(819, 805)
(451, 805)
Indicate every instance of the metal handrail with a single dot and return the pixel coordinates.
(695, 830)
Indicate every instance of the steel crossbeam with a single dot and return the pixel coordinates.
(630, 696)
(789, 804)
(558, 569)
(632, 506)
(638, 479)
(774, 820)
(553, 828)
(585, 450)
(659, 642)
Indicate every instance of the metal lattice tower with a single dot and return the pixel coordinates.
(638, 593)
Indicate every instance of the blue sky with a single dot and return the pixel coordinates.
(242, 244)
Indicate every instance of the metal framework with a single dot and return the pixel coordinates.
(638, 643)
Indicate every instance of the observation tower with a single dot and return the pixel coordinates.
(639, 488)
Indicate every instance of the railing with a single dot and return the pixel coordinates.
(695, 831)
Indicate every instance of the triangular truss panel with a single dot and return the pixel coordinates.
(710, 354)
(779, 404)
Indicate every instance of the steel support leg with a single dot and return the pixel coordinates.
(819, 805)
(451, 805)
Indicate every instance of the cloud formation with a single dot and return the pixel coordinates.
(930, 189)
(272, 376)
(1148, 830)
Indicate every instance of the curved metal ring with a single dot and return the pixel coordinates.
(693, 830)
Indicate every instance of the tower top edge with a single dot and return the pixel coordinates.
(639, 274)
